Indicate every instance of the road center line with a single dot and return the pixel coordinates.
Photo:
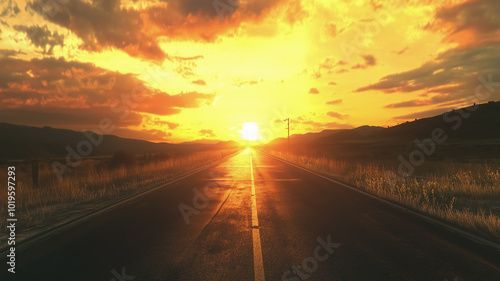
(258, 262)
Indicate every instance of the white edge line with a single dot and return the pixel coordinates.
(449, 227)
(25, 244)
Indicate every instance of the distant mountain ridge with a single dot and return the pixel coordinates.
(481, 123)
(473, 130)
(24, 142)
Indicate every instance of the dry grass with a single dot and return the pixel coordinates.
(465, 194)
(91, 185)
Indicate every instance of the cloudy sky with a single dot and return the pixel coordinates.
(178, 70)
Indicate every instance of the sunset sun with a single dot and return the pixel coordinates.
(250, 131)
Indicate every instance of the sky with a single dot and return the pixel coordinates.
(180, 70)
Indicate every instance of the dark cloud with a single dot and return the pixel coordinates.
(207, 133)
(184, 71)
(199, 82)
(42, 37)
(246, 83)
(7, 53)
(454, 74)
(10, 10)
(333, 30)
(402, 51)
(170, 125)
(73, 94)
(376, 5)
(314, 91)
(103, 24)
(440, 98)
(318, 126)
(359, 66)
(334, 102)
(188, 58)
(186, 66)
(164, 104)
(370, 60)
(337, 115)
(206, 20)
(157, 122)
(411, 103)
(328, 66)
(469, 23)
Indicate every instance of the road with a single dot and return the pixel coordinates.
(253, 217)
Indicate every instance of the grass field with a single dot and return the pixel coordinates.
(92, 185)
(464, 194)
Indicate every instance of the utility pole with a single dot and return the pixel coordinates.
(288, 128)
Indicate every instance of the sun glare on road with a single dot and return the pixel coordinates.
(250, 131)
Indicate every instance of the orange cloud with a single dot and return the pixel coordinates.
(314, 126)
(199, 82)
(164, 104)
(207, 133)
(334, 102)
(370, 60)
(72, 94)
(337, 115)
(106, 24)
(313, 91)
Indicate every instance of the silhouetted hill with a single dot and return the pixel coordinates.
(305, 138)
(359, 134)
(470, 132)
(465, 124)
(201, 141)
(24, 142)
(225, 144)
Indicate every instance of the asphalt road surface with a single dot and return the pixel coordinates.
(253, 217)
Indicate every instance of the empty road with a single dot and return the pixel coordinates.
(253, 217)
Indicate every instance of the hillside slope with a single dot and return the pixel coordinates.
(24, 142)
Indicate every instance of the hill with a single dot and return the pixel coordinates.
(472, 132)
(25, 142)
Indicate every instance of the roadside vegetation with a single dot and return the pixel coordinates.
(466, 194)
(95, 183)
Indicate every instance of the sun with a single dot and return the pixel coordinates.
(250, 131)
